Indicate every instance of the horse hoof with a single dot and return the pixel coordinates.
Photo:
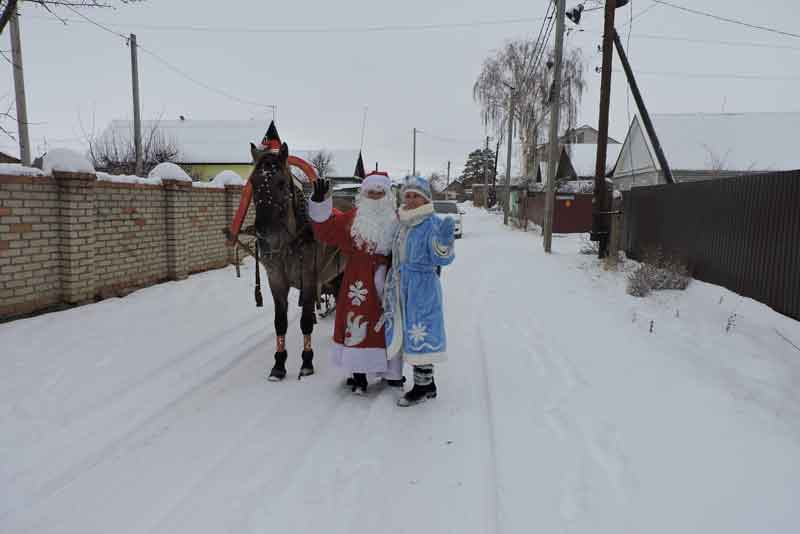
(276, 375)
(306, 371)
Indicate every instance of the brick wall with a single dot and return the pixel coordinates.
(70, 239)
(130, 236)
(206, 243)
(29, 244)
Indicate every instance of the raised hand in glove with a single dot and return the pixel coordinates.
(446, 232)
(321, 188)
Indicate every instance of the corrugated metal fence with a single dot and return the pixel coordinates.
(742, 233)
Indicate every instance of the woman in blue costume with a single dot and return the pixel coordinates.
(413, 307)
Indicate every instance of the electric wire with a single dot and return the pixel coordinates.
(726, 19)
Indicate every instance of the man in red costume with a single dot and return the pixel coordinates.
(364, 235)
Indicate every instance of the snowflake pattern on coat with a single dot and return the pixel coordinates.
(418, 333)
(358, 293)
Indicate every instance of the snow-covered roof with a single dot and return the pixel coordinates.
(728, 141)
(584, 157)
(225, 141)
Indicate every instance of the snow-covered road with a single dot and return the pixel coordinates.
(559, 411)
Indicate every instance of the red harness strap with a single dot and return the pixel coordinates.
(247, 194)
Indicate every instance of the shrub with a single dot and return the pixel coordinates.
(658, 273)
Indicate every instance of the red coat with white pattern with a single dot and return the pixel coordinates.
(358, 305)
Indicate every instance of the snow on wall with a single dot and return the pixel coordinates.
(227, 178)
(169, 171)
(66, 160)
(16, 169)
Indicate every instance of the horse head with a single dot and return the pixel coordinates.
(272, 187)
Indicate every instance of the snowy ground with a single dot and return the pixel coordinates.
(559, 411)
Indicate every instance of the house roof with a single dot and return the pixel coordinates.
(8, 158)
(225, 142)
(728, 141)
(584, 157)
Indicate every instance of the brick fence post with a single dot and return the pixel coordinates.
(232, 195)
(177, 196)
(76, 222)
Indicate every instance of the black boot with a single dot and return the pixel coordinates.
(395, 383)
(359, 383)
(307, 368)
(418, 394)
(278, 372)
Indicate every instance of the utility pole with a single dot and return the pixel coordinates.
(648, 124)
(507, 195)
(19, 90)
(448, 173)
(555, 101)
(414, 155)
(485, 176)
(137, 119)
(600, 227)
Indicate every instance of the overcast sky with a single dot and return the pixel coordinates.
(322, 80)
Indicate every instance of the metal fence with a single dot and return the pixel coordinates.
(742, 233)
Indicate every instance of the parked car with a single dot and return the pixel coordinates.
(449, 208)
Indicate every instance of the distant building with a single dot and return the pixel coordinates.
(704, 146)
(8, 158)
(208, 147)
(577, 138)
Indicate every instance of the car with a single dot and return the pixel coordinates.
(449, 208)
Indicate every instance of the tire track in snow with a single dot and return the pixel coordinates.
(494, 517)
(73, 472)
(287, 472)
(205, 345)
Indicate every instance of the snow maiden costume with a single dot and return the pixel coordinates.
(413, 311)
(364, 235)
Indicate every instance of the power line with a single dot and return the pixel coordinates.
(744, 44)
(172, 67)
(715, 76)
(95, 23)
(725, 19)
(639, 14)
(548, 18)
(449, 139)
(204, 85)
(329, 29)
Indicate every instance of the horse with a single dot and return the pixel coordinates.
(286, 247)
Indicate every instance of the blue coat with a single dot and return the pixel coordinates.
(413, 311)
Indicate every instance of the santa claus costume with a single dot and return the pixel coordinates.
(364, 234)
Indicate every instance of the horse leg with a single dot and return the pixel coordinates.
(280, 296)
(307, 320)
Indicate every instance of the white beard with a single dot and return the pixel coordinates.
(374, 224)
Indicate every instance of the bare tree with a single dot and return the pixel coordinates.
(516, 65)
(438, 181)
(114, 151)
(7, 7)
(322, 162)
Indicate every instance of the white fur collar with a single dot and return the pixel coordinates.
(415, 216)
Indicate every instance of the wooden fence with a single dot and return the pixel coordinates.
(742, 233)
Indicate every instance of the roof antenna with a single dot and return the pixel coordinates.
(363, 128)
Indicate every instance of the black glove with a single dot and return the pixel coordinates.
(321, 188)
